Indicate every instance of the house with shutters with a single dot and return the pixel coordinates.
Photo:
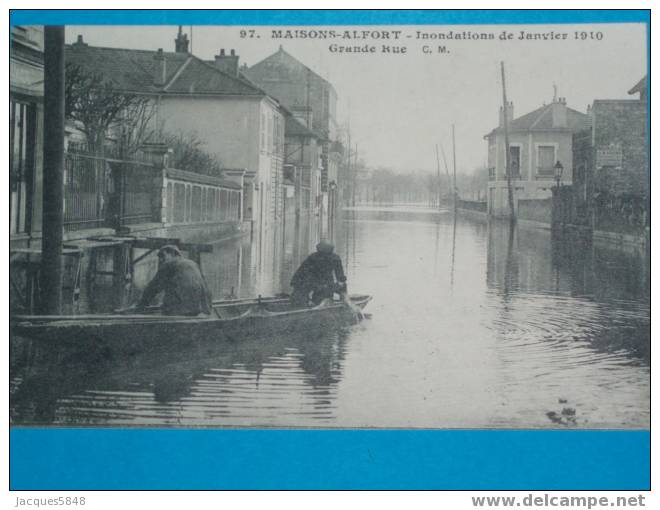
(538, 140)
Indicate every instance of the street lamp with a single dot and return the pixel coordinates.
(559, 170)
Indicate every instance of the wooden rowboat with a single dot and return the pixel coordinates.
(230, 319)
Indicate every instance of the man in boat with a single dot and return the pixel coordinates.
(181, 281)
(321, 274)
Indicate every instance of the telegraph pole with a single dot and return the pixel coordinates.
(453, 141)
(355, 169)
(507, 155)
(53, 180)
(437, 175)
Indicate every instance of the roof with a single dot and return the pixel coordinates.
(639, 86)
(136, 71)
(282, 56)
(293, 127)
(541, 120)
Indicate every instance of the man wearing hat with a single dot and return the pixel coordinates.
(320, 274)
(180, 280)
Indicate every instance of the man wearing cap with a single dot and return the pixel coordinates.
(180, 280)
(321, 274)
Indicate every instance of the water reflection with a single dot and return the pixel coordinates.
(474, 324)
(212, 384)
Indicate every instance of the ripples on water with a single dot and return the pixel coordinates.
(471, 327)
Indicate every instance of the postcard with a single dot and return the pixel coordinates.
(331, 230)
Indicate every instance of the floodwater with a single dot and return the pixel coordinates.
(472, 325)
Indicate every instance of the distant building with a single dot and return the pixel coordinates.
(302, 149)
(312, 100)
(26, 115)
(537, 141)
(236, 121)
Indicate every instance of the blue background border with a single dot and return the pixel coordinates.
(89, 459)
(325, 17)
(77, 459)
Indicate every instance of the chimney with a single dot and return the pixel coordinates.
(227, 63)
(181, 42)
(79, 41)
(559, 115)
(161, 68)
(509, 112)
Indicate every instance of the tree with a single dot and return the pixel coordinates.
(106, 114)
(101, 110)
(188, 154)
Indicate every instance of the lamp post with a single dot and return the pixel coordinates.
(559, 170)
(332, 206)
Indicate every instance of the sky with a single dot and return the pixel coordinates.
(399, 106)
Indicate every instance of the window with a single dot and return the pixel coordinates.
(22, 140)
(514, 161)
(545, 161)
(270, 132)
(277, 133)
(263, 131)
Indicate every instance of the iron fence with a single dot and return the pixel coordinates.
(85, 191)
(106, 192)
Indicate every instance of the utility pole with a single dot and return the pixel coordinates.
(453, 142)
(437, 175)
(349, 173)
(53, 180)
(507, 155)
(355, 169)
(444, 159)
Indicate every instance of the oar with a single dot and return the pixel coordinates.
(354, 308)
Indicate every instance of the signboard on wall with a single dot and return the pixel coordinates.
(611, 155)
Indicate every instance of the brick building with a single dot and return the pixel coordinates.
(613, 159)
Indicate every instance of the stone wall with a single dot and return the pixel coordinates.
(538, 210)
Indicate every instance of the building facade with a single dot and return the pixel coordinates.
(235, 122)
(303, 150)
(313, 101)
(537, 142)
(613, 183)
(26, 117)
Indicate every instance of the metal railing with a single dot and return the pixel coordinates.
(106, 192)
(85, 191)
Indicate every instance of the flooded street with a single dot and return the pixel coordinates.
(471, 326)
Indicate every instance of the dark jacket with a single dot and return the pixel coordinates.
(185, 290)
(318, 270)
